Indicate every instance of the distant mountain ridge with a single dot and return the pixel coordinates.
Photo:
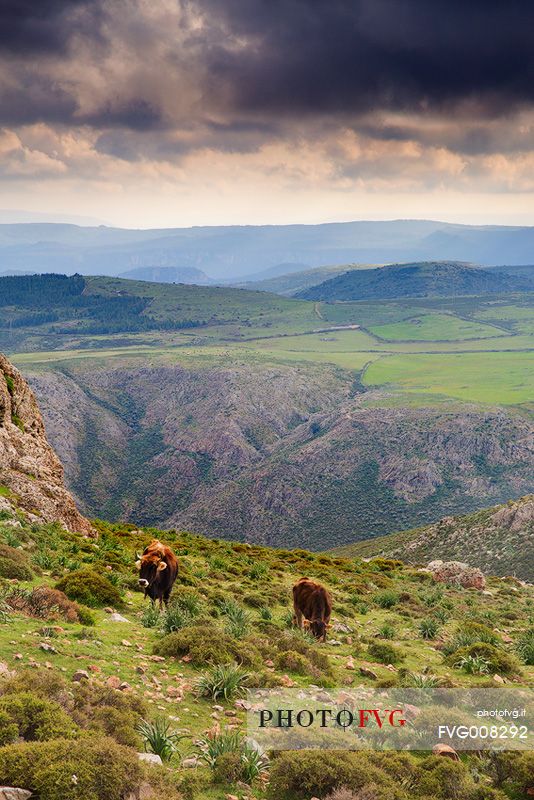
(498, 540)
(233, 252)
(427, 279)
(168, 275)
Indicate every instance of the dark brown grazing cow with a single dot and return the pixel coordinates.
(158, 568)
(313, 602)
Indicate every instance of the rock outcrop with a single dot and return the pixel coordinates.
(457, 572)
(31, 475)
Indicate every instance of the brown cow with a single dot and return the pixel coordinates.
(158, 568)
(313, 602)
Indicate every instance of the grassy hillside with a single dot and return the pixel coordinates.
(415, 280)
(392, 626)
(294, 282)
(44, 308)
(498, 539)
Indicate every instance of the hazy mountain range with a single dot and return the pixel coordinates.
(237, 252)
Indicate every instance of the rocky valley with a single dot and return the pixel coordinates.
(297, 455)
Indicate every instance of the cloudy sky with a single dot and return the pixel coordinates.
(149, 113)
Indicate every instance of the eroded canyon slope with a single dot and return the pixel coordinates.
(282, 455)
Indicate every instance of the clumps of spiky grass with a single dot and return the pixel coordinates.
(158, 738)
(222, 680)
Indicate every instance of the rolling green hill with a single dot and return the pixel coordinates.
(292, 283)
(499, 540)
(427, 279)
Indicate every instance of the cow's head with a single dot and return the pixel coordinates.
(318, 628)
(150, 564)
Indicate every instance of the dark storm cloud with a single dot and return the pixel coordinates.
(350, 56)
(231, 75)
(33, 27)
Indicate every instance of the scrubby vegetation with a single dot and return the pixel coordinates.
(172, 683)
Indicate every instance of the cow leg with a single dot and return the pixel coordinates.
(298, 618)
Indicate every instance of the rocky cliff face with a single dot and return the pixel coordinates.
(31, 475)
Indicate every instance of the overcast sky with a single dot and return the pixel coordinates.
(148, 113)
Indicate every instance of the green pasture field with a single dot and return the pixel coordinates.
(435, 327)
(476, 349)
(496, 378)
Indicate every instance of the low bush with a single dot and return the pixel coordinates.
(206, 644)
(497, 660)
(14, 560)
(525, 647)
(294, 662)
(386, 599)
(111, 713)
(301, 775)
(232, 758)
(36, 718)
(45, 603)
(85, 616)
(385, 653)
(65, 769)
(12, 569)
(89, 588)
(428, 628)
(387, 631)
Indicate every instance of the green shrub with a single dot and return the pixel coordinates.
(497, 660)
(385, 653)
(266, 613)
(387, 631)
(386, 564)
(525, 647)
(111, 713)
(428, 628)
(222, 680)
(238, 620)
(86, 616)
(301, 775)
(206, 644)
(104, 770)
(213, 747)
(187, 599)
(228, 768)
(14, 569)
(294, 662)
(175, 618)
(9, 730)
(297, 642)
(232, 758)
(253, 600)
(89, 588)
(473, 665)
(151, 616)
(37, 719)
(386, 599)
